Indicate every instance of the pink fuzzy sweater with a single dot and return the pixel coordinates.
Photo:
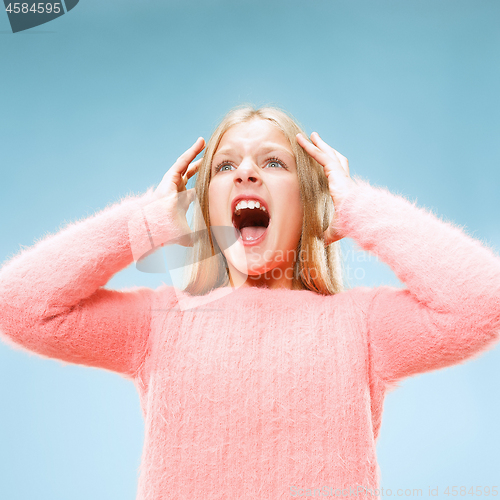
(261, 394)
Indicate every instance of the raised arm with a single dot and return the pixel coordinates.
(52, 299)
(450, 309)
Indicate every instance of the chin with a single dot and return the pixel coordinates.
(258, 271)
(247, 267)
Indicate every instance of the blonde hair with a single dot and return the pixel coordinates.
(317, 267)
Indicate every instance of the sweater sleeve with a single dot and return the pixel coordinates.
(449, 310)
(52, 300)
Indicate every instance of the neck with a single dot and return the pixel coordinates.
(274, 278)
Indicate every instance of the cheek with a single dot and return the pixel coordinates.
(217, 210)
(294, 198)
(291, 211)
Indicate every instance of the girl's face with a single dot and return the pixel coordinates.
(255, 163)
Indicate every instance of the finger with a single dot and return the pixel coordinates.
(182, 201)
(321, 157)
(188, 156)
(318, 141)
(344, 162)
(179, 168)
(185, 198)
(193, 168)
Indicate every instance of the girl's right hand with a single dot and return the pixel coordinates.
(173, 193)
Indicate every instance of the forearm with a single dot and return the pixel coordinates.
(62, 269)
(442, 267)
(52, 299)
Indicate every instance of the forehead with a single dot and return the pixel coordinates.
(252, 135)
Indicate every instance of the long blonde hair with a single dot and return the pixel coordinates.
(317, 267)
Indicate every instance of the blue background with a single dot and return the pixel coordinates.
(100, 102)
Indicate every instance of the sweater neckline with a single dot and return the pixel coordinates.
(227, 295)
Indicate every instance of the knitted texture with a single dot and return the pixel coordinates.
(258, 394)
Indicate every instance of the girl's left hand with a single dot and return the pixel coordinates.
(336, 168)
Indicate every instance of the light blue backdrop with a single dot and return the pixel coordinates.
(100, 102)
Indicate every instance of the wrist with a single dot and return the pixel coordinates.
(343, 192)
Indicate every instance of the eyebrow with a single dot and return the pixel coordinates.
(264, 150)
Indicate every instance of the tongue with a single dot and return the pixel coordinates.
(251, 233)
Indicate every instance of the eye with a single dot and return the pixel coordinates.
(226, 165)
(275, 163)
(222, 166)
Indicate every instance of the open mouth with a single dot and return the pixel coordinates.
(252, 220)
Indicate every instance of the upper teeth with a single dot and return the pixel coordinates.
(249, 204)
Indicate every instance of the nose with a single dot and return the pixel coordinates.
(247, 172)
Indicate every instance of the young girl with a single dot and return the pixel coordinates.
(275, 388)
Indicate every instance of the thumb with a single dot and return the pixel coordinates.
(191, 195)
(332, 234)
(186, 240)
(185, 198)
